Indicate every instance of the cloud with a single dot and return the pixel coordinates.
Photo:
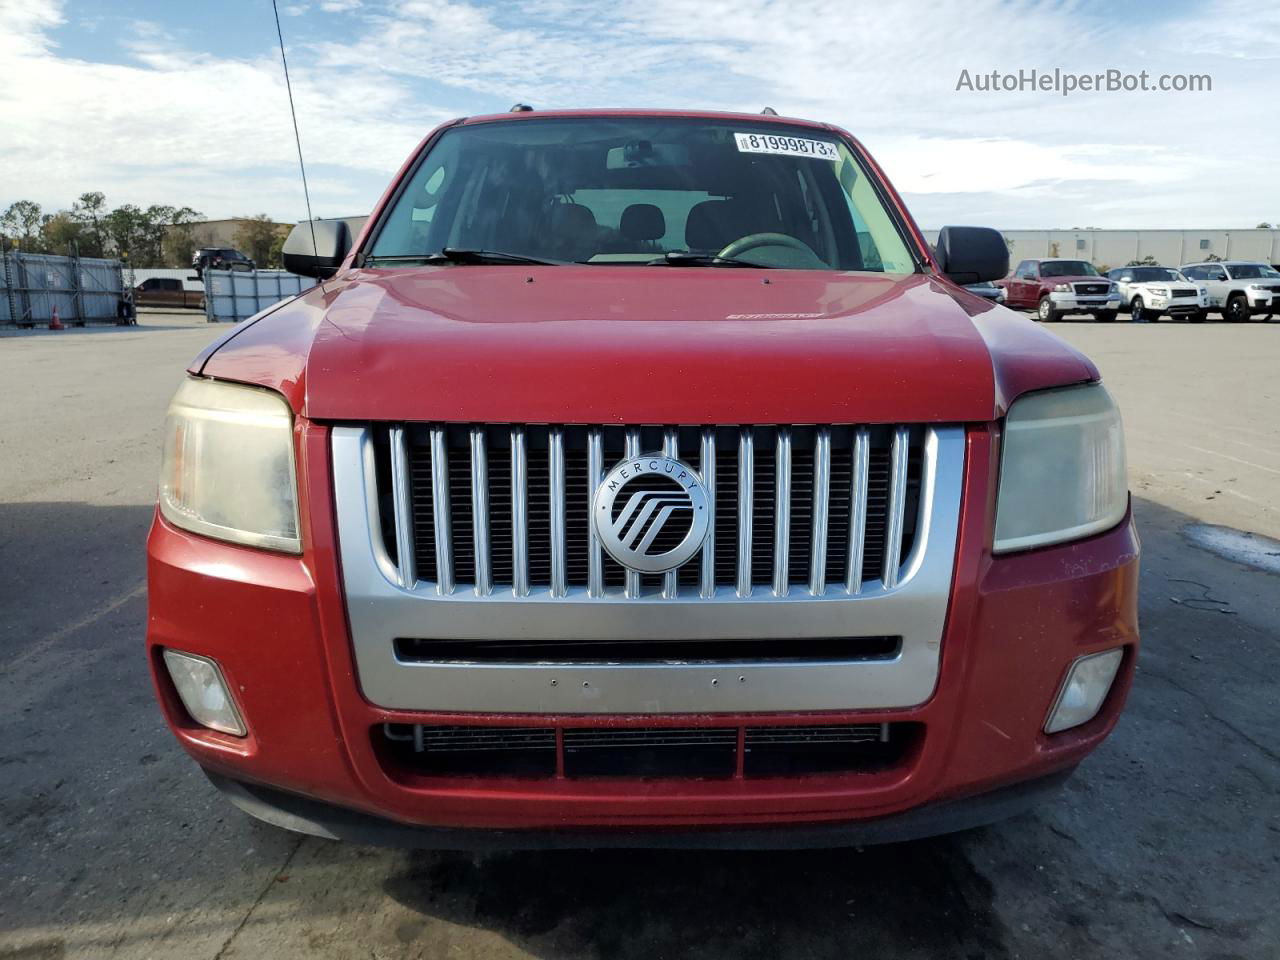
(181, 126)
(368, 90)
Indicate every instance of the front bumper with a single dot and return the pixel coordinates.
(1263, 300)
(278, 626)
(1177, 305)
(1072, 303)
(301, 814)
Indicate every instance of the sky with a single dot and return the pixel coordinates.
(152, 101)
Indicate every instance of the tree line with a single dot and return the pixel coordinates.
(155, 236)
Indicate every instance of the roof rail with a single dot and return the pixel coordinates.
(521, 108)
(769, 112)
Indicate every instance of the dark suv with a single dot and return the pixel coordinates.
(219, 258)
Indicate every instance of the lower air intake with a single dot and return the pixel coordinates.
(644, 752)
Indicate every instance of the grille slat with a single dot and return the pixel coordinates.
(821, 500)
(707, 463)
(480, 511)
(402, 512)
(782, 506)
(508, 508)
(440, 481)
(511, 539)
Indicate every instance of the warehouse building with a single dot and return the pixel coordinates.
(1117, 248)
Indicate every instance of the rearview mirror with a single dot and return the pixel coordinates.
(320, 257)
(972, 254)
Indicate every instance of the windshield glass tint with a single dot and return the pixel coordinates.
(1067, 268)
(1149, 274)
(630, 190)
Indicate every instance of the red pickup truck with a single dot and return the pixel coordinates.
(1056, 287)
(641, 478)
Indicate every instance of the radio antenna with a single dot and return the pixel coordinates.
(297, 137)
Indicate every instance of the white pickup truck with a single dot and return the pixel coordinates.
(1240, 289)
(1148, 292)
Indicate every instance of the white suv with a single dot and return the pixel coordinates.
(1148, 292)
(1240, 289)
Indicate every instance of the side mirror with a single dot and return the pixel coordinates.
(321, 260)
(972, 254)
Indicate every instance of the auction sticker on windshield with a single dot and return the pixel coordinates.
(786, 146)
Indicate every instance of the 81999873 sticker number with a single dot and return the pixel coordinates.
(786, 146)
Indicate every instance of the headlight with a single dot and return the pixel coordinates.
(1061, 288)
(1062, 469)
(227, 470)
(1159, 291)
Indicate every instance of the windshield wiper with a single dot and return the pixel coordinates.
(461, 255)
(684, 258)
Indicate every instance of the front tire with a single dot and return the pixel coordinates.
(1237, 310)
(1045, 312)
(1198, 316)
(1138, 311)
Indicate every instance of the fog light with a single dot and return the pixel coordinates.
(1082, 693)
(203, 692)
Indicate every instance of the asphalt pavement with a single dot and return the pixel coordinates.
(1165, 844)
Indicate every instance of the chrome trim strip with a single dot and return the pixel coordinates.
(670, 448)
(480, 511)
(367, 479)
(707, 464)
(441, 511)
(555, 460)
(782, 513)
(519, 514)
(746, 476)
(402, 507)
(595, 473)
(821, 497)
(858, 512)
(631, 448)
(897, 507)
(380, 610)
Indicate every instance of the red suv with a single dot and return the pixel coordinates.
(641, 478)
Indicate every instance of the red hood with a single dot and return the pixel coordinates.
(643, 345)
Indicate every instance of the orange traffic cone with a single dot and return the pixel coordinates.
(54, 322)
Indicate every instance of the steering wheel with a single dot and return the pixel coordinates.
(754, 241)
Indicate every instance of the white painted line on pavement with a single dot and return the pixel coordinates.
(1227, 456)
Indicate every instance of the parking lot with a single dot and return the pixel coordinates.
(1166, 843)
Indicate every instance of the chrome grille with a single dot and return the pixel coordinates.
(795, 509)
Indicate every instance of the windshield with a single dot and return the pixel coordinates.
(1067, 268)
(1152, 274)
(645, 190)
(1252, 271)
